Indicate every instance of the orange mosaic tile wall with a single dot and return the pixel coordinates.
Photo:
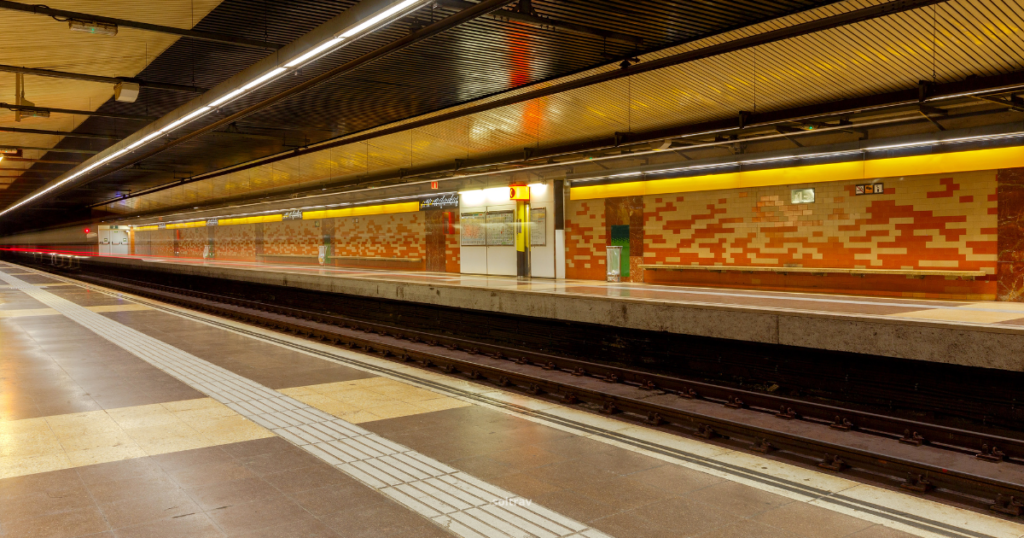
(236, 242)
(452, 245)
(585, 240)
(400, 235)
(192, 241)
(292, 237)
(920, 222)
(935, 222)
(161, 243)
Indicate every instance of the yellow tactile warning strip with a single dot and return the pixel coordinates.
(38, 445)
(375, 398)
(22, 312)
(970, 313)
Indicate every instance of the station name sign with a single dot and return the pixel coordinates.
(444, 201)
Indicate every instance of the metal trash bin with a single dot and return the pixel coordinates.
(613, 261)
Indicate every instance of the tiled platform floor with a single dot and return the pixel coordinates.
(96, 441)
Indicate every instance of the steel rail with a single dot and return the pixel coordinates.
(627, 393)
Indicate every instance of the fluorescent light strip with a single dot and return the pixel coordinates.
(315, 52)
(227, 98)
(191, 116)
(386, 14)
(265, 78)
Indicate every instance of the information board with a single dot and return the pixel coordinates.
(500, 229)
(474, 229)
(538, 226)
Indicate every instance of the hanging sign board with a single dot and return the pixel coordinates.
(10, 152)
(444, 201)
(519, 192)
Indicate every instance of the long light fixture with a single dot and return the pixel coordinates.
(782, 158)
(338, 40)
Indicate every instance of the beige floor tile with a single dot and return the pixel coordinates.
(29, 444)
(395, 410)
(359, 397)
(21, 466)
(359, 417)
(28, 425)
(189, 405)
(106, 454)
(162, 431)
(197, 416)
(23, 312)
(406, 394)
(100, 440)
(440, 404)
(130, 307)
(296, 392)
(143, 416)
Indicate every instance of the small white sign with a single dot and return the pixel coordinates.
(802, 196)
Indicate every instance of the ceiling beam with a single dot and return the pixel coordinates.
(1014, 103)
(58, 150)
(46, 110)
(72, 134)
(192, 34)
(97, 78)
(23, 159)
(534, 19)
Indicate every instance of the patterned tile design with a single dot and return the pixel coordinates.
(401, 235)
(585, 240)
(292, 237)
(925, 222)
(192, 241)
(236, 242)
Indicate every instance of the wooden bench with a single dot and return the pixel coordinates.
(819, 271)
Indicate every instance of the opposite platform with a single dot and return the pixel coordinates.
(977, 334)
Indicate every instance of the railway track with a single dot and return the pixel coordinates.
(958, 466)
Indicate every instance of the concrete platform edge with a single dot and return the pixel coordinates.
(951, 343)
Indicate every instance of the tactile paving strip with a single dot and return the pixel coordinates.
(464, 505)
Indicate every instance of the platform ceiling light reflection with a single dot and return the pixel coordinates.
(341, 38)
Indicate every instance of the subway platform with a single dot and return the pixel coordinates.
(124, 416)
(986, 334)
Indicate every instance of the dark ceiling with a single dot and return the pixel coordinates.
(474, 60)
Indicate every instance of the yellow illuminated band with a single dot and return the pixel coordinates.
(943, 163)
